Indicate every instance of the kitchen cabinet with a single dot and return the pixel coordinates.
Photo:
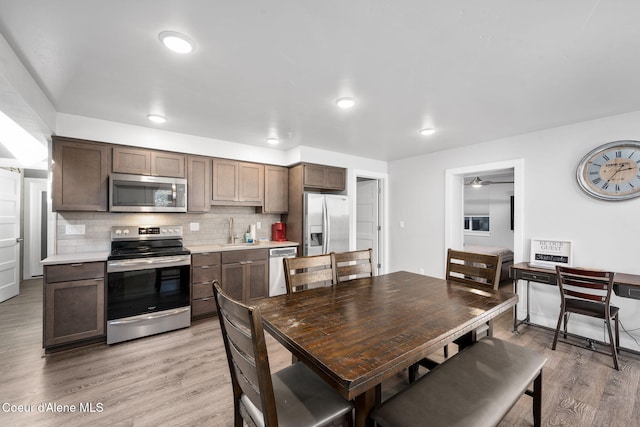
(205, 268)
(74, 303)
(237, 183)
(309, 177)
(245, 274)
(320, 177)
(198, 184)
(140, 161)
(276, 189)
(80, 175)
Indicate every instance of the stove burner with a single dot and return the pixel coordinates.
(136, 244)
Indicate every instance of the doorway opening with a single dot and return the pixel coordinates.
(369, 218)
(455, 180)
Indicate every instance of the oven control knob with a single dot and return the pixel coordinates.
(118, 232)
(164, 231)
(125, 232)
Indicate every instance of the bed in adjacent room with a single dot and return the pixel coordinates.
(506, 256)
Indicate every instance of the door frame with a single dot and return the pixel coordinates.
(454, 204)
(383, 212)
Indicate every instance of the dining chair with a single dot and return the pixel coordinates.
(352, 265)
(307, 272)
(587, 292)
(475, 270)
(294, 396)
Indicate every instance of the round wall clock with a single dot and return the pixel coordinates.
(610, 172)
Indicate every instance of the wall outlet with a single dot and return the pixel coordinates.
(194, 226)
(401, 224)
(258, 225)
(74, 229)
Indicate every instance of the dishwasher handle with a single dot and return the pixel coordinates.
(283, 252)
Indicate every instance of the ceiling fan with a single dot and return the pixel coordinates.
(477, 182)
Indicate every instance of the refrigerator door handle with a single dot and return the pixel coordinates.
(327, 229)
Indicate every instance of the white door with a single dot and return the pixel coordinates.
(9, 234)
(367, 216)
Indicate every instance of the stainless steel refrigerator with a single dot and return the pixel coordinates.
(326, 223)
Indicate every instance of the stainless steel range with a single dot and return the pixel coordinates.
(148, 274)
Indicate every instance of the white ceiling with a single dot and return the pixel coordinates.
(474, 70)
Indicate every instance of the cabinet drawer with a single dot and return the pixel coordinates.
(201, 290)
(207, 258)
(537, 277)
(76, 271)
(202, 307)
(627, 291)
(245, 255)
(205, 274)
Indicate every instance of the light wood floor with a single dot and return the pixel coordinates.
(181, 378)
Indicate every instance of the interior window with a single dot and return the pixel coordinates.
(476, 224)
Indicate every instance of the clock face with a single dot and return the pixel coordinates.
(610, 172)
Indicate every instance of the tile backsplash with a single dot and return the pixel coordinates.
(213, 226)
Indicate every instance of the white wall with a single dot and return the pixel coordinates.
(495, 201)
(603, 233)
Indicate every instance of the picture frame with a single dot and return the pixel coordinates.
(547, 253)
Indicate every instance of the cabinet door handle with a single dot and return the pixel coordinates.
(204, 267)
(249, 262)
(76, 265)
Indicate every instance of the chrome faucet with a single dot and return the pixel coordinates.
(231, 229)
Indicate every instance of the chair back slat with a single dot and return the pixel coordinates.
(352, 265)
(246, 351)
(585, 283)
(473, 268)
(582, 295)
(308, 271)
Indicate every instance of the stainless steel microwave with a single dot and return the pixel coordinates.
(141, 193)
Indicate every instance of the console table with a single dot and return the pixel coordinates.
(625, 285)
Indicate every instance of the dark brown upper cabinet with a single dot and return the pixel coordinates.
(237, 183)
(140, 161)
(198, 184)
(322, 177)
(80, 175)
(276, 189)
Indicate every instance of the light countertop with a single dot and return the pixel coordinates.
(239, 246)
(75, 258)
(102, 255)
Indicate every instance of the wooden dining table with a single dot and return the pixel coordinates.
(359, 333)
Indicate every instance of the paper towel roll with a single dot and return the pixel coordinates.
(252, 231)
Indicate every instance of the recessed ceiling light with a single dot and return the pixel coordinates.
(176, 42)
(273, 141)
(345, 102)
(156, 118)
(427, 131)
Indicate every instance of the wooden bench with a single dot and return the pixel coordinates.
(477, 387)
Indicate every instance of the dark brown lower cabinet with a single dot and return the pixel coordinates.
(205, 268)
(74, 303)
(245, 274)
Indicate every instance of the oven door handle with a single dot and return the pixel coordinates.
(138, 319)
(148, 263)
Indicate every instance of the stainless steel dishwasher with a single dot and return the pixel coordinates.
(276, 269)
